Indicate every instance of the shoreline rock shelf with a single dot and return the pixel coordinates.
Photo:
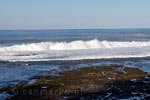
(105, 82)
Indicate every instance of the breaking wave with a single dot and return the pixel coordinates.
(75, 45)
(76, 50)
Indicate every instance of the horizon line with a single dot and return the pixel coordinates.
(73, 29)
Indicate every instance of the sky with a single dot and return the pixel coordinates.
(74, 14)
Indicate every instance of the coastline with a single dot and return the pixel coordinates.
(107, 82)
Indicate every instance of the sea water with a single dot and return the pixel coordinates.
(25, 54)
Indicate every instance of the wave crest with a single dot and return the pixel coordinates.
(75, 45)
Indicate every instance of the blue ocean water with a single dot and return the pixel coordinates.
(28, 53)
(31, 36)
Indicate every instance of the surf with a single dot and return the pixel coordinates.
(75, 50)
(74, 45)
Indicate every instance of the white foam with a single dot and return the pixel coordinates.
(93, 49)
(75, 45)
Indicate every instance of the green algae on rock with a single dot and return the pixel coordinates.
(75, 83)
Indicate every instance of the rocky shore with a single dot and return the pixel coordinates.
(102, 82)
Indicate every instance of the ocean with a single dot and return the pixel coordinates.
(28, 53)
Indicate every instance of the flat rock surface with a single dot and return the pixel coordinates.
(103, 82)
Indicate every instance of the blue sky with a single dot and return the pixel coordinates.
(74, 14)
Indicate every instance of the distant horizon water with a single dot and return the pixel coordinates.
(75, 29)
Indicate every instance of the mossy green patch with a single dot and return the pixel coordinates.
(89, 79)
